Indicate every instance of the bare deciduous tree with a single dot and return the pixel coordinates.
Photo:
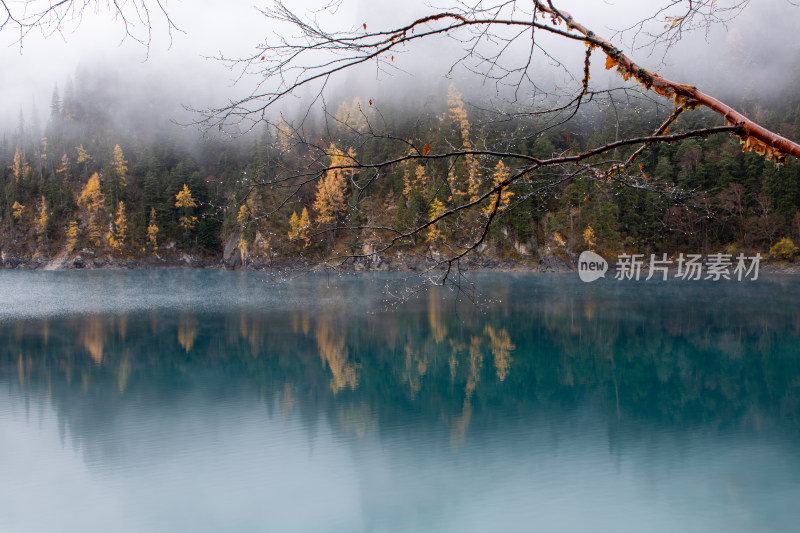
(766, 223)
(57, 16)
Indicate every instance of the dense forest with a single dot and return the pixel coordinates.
(99, 182)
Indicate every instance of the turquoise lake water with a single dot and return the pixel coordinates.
(204, 401)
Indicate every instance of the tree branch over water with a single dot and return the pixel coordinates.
(490, 37)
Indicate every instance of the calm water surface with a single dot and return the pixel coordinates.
(191, 401)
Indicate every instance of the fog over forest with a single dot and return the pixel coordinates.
(754, 55)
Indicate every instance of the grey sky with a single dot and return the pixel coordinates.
(757, 43)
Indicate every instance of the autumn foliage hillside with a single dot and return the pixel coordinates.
(85, 184)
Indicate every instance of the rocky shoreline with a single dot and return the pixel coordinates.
(396, 263)
(401, 262)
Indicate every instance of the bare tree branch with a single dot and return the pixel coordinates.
(755, 136)
(490, 37)
(55, 16)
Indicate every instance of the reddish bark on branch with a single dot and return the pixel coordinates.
(754, 136)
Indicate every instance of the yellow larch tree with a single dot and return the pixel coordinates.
(331, 199)
(305, 226)
(422, 179)
(185, 201)
(458, 113)
(91, 196)
(299, 227)
(116, 238)
(243, 248)
(20, 167)
(351, 118)
(435, 232)
(501, 173)
(415, 178)
(91, 199)
(72, 235)
(184, 198)
(294, 226)
(17, 210)
(243, 215)
(283, 133)
(119, 165)
(589, 237)
(83, 155)
(152, 231)
(115, 179)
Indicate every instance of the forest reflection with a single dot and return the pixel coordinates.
(448, 364)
